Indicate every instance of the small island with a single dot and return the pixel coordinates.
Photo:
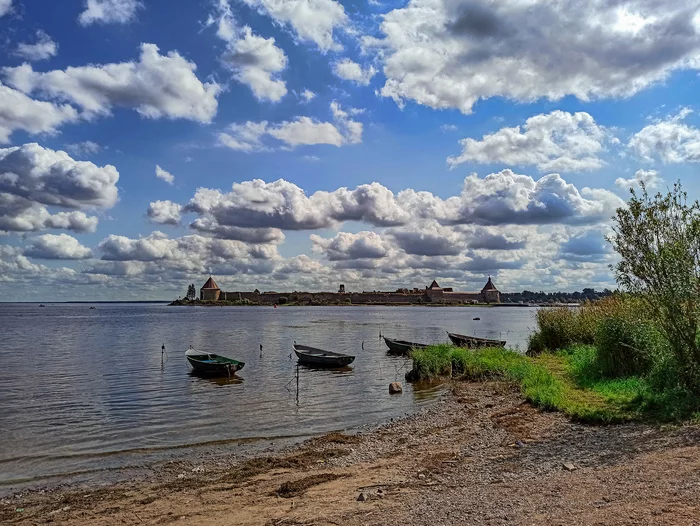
(433, 294)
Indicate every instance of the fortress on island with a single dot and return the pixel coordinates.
(433, 294)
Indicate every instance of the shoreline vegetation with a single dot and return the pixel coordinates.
(601, 363)
(567, 381)
(629, 356)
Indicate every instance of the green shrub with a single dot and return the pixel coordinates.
(628, 347)
(282, 300)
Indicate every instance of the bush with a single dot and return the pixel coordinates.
(628, 347)
(282, 300)
(657, 237)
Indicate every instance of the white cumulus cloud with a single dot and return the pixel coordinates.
(43, 48)
(346, 69)
(164, 212)
(109, 11)
(5, 7)
(33, 177)
(61, 246)
(54, 178)
(84, 148)
(306, 131)
(307, 95)
(18, 214)
(509, 198)
(156, 86)
(20, 112)
(557, 141)
(257, 62)
(284, 205)
(245, 137)
(650, 178)
(452, 53)
(302, 131)
(344, 246)
(311, 20)
(164, 175)
(669, 140)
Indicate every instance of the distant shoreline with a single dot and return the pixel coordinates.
(223, 303)
(84, 302)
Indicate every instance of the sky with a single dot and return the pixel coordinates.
(299, 144)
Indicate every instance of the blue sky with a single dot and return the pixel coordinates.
(304, 143)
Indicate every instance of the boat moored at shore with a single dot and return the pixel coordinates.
(474, 342)
(402, 346)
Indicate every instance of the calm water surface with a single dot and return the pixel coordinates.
(84, 389)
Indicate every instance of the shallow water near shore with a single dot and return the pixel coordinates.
(84, 390)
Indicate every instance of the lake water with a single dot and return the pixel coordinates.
(84, 390)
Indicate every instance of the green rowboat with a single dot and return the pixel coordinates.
(212, 364)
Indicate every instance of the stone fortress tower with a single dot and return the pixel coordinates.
(491, 293)
(210, 290)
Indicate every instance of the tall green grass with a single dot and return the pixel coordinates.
(561, 327)
(621, 327)
(570, 381)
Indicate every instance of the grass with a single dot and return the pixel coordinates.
(569, 381)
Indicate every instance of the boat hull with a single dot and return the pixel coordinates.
(402, 346)
(320, 358)
(213, 364)
(474, 342)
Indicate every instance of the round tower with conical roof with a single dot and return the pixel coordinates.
(490, 292)
(210, 290)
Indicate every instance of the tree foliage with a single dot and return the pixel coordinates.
(658, 240)
(191, 292)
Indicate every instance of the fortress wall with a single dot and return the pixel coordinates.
(358, 298)
(461, 297)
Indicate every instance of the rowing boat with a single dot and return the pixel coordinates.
(402, 346)
(320, 358)
(212, 364)
(474, 342)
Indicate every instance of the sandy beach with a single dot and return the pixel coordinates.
(479, 456)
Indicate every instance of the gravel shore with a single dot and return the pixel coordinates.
(479, 456)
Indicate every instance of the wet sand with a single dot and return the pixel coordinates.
(479, 456)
